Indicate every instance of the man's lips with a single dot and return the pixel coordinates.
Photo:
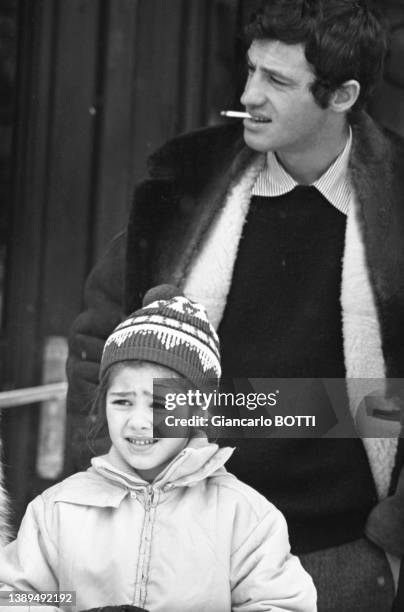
(255, 118)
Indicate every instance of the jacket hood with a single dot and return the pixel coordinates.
(200, 459)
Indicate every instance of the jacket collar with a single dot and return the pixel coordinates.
(102, 485)
(199, 460)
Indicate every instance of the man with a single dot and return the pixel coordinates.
(288, 228)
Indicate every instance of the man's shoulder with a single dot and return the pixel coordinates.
(396, 141)
(200, 149)
(375, 143)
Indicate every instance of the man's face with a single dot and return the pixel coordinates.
(277, 92)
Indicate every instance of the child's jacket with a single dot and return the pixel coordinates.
(196, 539)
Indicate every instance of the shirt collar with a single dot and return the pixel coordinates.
(273, 180)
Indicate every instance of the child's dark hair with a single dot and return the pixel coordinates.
(98, 426)
(343, 40)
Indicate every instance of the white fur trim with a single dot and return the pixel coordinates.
(209, 283)
(362, 346)
(210, 277)
(5, 535)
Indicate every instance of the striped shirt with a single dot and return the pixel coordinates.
(334, 185)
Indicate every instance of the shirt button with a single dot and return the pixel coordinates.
(381, 581)
(133, 494)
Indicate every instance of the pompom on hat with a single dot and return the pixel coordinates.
(169, 330)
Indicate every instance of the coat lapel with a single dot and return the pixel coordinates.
(377, 174)
(174, 209)
(368, 282)
(203, 209)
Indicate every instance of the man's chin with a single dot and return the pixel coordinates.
(255, 143)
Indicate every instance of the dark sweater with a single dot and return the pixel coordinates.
(283, 319)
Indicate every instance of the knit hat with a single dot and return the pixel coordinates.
(169, 330)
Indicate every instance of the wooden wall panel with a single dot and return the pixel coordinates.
(157, 78)
(70, 161)
(115, 107)
(194, 62)
(166, 69)
(221, 75)
(23, 289)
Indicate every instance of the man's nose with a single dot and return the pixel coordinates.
(253, 94)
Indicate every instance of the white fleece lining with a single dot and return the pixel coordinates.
(362, 345)
(211, 273)
(210, 279)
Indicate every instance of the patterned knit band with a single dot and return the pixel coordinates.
(173, 332)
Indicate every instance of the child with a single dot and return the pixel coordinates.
(158, 522)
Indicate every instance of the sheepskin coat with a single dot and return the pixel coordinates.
(199, 185)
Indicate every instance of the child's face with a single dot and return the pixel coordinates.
(129, 410)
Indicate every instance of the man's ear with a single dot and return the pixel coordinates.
(343, 98)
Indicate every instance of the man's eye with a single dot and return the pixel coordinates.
(277, 81)
(250, 68)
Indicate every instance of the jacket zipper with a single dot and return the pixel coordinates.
(144, 549)
(150, 497)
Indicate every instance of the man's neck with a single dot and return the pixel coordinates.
(308, 165)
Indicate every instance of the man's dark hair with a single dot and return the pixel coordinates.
(343, 39)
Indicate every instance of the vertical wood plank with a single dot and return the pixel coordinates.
(70, 156)
(194, 62)
(114, 179)
(158, 52)
(221, 72)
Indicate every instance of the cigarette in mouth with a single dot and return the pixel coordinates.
(235, 114)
